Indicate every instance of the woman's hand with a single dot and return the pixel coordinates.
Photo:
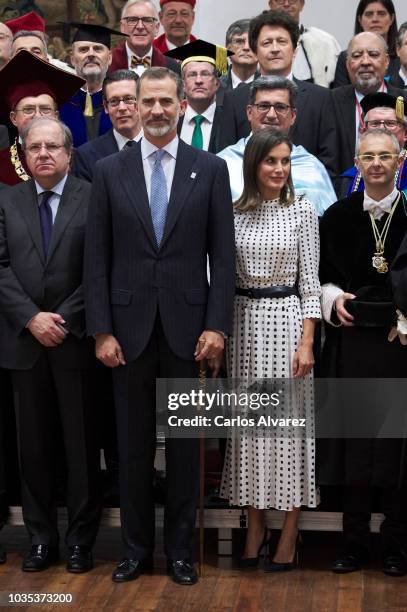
(303, 361)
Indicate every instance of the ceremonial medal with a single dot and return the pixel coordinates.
(16, 163)
(380, 263)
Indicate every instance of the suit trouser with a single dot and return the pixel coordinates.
(4, 401)
(357, 514)
(136, 419)
(48, 398)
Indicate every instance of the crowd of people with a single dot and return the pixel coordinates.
(169, 205)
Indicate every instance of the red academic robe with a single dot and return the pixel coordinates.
(8, 175)
(161, 44)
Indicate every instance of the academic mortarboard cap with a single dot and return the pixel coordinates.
(91, 32)
(201, 51)
(383, 99)
(190, 2)
(28, 75)
(30, 21)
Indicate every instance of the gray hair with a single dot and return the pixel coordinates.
(158, 73)
(270, 83)
(386, 108)
(378, 132)
(135, 2)
(237, 27)
(378, 36)
(36, 33)
(400, 34)
(66, 132)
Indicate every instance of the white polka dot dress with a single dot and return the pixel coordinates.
(275, 245)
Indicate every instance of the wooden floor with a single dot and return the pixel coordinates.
(222, 588)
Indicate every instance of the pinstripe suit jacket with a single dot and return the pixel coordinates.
(128, 278)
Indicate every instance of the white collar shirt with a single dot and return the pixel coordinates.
(188, 125)
(378, 208)
(55, 198)
(138, 69)
(122, 140)
(168, 162)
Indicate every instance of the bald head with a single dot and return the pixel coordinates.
(6, 38)
(367, 61)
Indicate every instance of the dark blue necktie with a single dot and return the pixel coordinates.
(46, 220)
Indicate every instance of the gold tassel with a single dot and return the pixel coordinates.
(222, 59)
(400, 108)
(88, 112)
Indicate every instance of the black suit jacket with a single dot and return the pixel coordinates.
(344, 108)
(86, 156)
(314, 128)
(29, 283)
(128, 279)
(215, 139)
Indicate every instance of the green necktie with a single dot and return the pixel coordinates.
(197, 136)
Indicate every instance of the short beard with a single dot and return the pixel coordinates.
(367, 86)
(159, 132)
(96, 75)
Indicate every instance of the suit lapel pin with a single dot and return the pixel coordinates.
(193, 175)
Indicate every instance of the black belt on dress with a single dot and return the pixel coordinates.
(277, 291)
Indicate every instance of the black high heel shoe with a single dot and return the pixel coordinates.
(275, 566)
(245, 563)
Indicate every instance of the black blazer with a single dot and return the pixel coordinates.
(86, 156)
(344, 108)
(342, 76)
(29, 283)
(314, 128)
(214, 141)
(128, 279)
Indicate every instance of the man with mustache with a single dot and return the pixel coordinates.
(367, 62)
(159, 210)
(91, 58)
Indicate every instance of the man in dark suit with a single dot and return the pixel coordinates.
(200, 125)
(243, 62)
(43, 342)
(367, 62)
(140, 23)
(119, 100)
(273, 37)
(158, 211)
(399, 78)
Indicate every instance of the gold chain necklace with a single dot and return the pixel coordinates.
(378, 260)
(16, 162)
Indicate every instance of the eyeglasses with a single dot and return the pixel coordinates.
(281, 2)
(31, 110)
(279, 108)
(387, 124)
(205, 74)
(35, 149)
(239, 42)
(127, 100)
(384, 158)
(146, 21)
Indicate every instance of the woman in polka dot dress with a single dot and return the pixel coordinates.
(277, 250)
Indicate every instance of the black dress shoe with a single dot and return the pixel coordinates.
(182, 572)
(349, 562)
(395, 564)
(130, 569)
(40, 557)
(3, 555)
(80, 559)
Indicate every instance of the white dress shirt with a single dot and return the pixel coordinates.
(55, 198)
(379, 207)
(122, 140)
(236, 81)
(403, 77)
(188, 125)
(168, 162)
(139, 69)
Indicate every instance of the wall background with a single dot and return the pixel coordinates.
(335, 16)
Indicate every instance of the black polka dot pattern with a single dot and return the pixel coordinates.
(275, 245)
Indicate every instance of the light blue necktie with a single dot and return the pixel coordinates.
(159, 197)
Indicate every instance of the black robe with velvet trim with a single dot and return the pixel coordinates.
(347, 247)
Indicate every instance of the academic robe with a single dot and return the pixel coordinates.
(362, 351)
(160, 42)
(83, 129)
(8, 175)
